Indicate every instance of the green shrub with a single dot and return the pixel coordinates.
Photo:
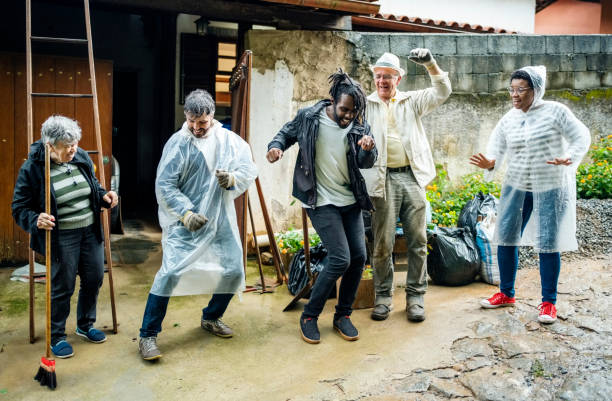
(447, 201)
(594, 179)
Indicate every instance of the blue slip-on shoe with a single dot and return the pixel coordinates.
(93, 335)
(309, 329)
(62, 349)
(345, 328)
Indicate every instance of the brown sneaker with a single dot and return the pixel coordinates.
(148, 348)
(218, 328)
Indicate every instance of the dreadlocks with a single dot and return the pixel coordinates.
(342, 84)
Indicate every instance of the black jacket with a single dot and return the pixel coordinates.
(304, 129)
(29, 197)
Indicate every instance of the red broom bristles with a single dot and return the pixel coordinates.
(46, 373)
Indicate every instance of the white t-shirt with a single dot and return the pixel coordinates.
(331, 166)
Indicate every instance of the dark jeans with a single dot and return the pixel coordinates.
(507, 259)
(342, 234)
(80, 253)
(155, 311)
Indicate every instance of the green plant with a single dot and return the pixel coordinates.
(367, 273)
(594, 179)
(447, 201)
(292, 240)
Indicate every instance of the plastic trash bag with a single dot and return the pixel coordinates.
(489, 269)
(480, 205)
(298, 277)
(452, 258)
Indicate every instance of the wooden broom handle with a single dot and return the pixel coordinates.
(48, 248)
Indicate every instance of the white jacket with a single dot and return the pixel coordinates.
(411, 107)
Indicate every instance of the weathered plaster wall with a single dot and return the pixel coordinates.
(291, 70)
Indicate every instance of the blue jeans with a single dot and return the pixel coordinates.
(341, 231)
(507, 259)
(80, 253)
(155, 311)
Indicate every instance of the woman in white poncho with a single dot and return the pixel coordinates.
(544, 143)
(203, 168)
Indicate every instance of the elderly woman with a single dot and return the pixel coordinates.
(544, 143)
(76, 232)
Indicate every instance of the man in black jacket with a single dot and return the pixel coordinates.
(333, 192)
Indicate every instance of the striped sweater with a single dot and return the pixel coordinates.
(72, 196)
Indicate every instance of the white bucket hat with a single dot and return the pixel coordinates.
(389, 60)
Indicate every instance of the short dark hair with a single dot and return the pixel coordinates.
(342, 84)
(520, 74)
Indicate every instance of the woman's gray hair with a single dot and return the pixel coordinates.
(199, 102)
(60, 129)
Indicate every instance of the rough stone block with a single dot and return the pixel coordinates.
(374, 45)
(573, 62)
(472, 44)
(557, 44)
(441, 44)
(401, 44)
(595, 62)
(606, 79)
(551, 61)
(531, 44)
(410, 67)
(461, 64)
(421, 82)
(502, 44)
(462, 83)
(444, 62)
(561, 80)
(608, 61)
(587, 80)
(606, 43)
(587, 43)
(512, 62)
(480, 83)
(480, 64)
(498, 82)
(494, 64)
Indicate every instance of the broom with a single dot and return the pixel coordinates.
(46, 372)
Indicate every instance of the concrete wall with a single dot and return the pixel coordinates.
(291, 69)
(516, 15)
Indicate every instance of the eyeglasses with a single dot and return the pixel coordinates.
(519, 90)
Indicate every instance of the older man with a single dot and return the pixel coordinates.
(397, 181)
(203, 168)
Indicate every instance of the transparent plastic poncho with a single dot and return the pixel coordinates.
(527, 140)
(208, 260)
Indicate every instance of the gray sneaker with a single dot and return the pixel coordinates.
(381, 312)
(218, 328)
(148, 348)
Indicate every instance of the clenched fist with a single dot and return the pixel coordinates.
(194, 221)
(421, 56)
(225, 178)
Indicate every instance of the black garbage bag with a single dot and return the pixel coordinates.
(480, 205)
(452, 257)
(298, 277)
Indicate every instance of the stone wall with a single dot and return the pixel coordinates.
(291, 70)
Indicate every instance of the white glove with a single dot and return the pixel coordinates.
(225, 178)
(194, 221)
(421, 56)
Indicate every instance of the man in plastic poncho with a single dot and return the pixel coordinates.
(203, 168)
(544, 143)
(397, 181)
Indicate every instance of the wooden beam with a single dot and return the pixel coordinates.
(279, 16)
(349, 6)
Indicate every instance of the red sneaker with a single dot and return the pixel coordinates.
(497, 300)
(548, 313)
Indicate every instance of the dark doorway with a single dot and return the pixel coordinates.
(125, 137)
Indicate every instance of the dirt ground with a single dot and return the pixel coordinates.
(265, 360)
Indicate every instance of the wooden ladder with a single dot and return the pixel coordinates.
(100, 159)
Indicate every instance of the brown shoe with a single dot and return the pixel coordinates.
(415, 309)
(218, 328)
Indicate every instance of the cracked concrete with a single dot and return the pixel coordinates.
(459, 352)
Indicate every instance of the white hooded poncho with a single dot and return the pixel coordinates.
(208, 260)
(548, 130)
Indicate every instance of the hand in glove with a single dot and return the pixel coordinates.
(421, 56)
(226, 179)
(194, 221)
